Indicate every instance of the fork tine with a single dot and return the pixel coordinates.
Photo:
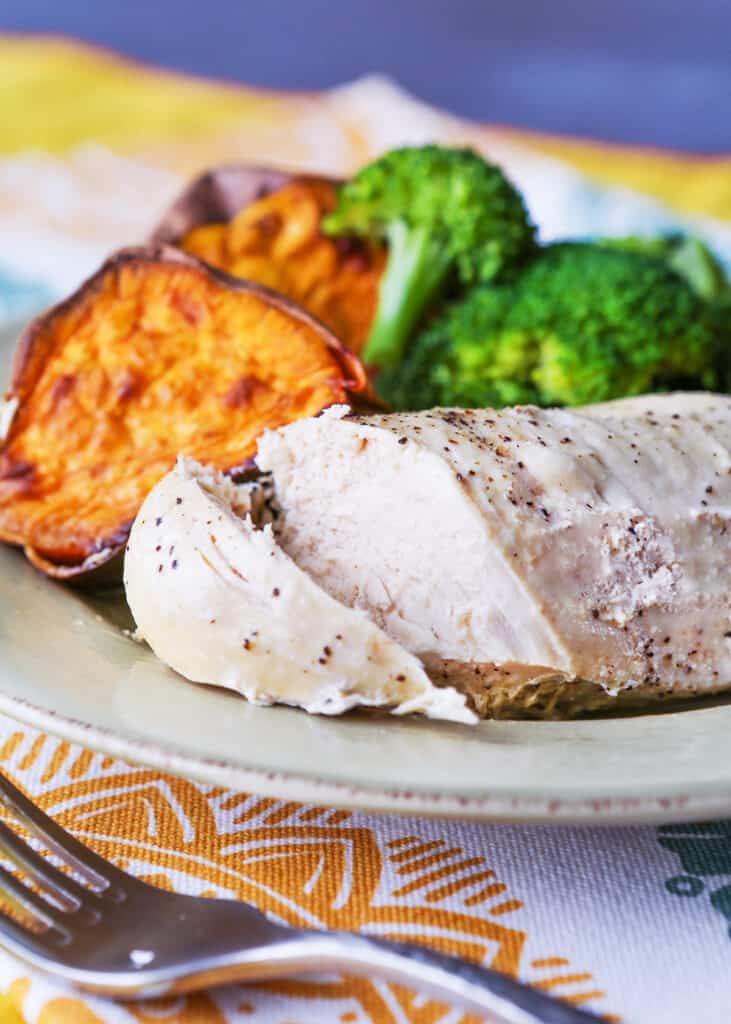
(20, 940)
(20, 895)
(64, 889)
(91, 867)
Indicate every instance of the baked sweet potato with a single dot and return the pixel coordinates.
(265, 226)
(156, 354)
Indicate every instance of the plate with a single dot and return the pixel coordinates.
(68, 667)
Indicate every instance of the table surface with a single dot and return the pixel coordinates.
(655, 71)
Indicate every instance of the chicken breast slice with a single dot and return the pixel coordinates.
(590, 544)
(220, 602)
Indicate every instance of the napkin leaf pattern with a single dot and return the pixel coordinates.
(704, 853)
(309, 866)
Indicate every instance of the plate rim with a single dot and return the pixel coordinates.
(706, 803)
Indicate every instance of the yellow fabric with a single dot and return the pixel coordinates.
(692, 184)
(9, 1013)
(56, 93)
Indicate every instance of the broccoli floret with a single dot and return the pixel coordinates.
(685, 254)
(462, 358)
(581, 323)
(446, 216)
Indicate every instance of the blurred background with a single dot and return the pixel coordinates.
(93, 148)
(640, 71)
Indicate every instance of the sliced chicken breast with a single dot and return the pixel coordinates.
(541, 560)
(220, 602)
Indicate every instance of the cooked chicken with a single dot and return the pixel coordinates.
(219, 601)
(519, 550)
(540, 561)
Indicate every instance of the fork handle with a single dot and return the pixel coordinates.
(478, 990)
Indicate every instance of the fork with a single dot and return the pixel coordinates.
(104, 931)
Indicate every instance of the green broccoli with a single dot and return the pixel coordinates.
(720, 314)
(447, 216)
(695, 261)
(688, 256)
(581, 323)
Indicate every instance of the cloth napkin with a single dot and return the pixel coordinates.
(632, 923)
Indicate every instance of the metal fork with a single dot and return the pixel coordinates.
(102, 930)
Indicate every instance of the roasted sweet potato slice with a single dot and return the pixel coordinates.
(265, 226)
(156, 354)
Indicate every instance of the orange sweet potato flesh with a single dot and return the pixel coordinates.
(156, 354)
(274, 238)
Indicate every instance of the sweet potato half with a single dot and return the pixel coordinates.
(264, 226)
(154, 355)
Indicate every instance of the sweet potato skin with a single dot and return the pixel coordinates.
(264, 225)
(216, 196)
(156, 353)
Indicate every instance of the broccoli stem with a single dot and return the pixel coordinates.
(414, 273)
(697, 264)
